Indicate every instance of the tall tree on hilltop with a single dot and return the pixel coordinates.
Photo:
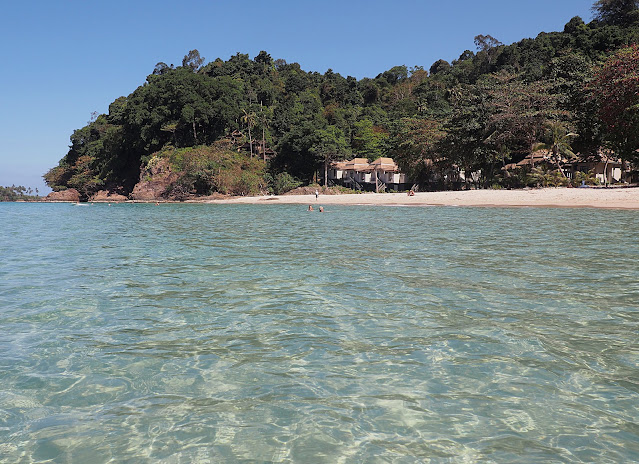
(192, 60)
(487, 44)
(161, 68)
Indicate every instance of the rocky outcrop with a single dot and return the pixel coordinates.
(64, 195)
(107, 196)
(155, 181)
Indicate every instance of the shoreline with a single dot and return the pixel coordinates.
(611, 198)
(601, 198)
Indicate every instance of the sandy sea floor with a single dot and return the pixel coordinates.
(619, 198)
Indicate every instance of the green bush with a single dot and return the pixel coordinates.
(248, 183)
(542, 177)
(284, 182)
(588, 178)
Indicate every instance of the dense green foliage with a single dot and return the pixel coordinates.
(617, 91)
(481, 111)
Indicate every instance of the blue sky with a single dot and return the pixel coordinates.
(64, 59)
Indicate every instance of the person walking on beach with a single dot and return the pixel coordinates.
(316, 194)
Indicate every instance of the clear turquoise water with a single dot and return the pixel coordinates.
(219, 333)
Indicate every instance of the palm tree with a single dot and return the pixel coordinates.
(249, 119)
(264, 118)
(558, 143)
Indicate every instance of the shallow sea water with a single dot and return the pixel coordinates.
(228, 333)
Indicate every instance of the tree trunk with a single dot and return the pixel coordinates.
(194, 133)
(325, 171)
(250, 140)
(532, 157)
(263, 146)
(555, 152)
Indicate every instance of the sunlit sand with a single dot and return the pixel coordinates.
(620, 198)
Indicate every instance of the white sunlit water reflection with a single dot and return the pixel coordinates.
(227, 333)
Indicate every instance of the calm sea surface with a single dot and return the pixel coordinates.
(226, 333)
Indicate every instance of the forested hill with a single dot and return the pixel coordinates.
(489, 107)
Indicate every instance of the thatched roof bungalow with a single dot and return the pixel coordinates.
(359, 173)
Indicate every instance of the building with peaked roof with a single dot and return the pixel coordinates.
(604, 165)
(337, 171)
(538, 157)
(358, 173)
(389, 173)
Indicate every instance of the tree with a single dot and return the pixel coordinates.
(84, 178)
(264, 118)
(368, 139)
(394, 74)
(617, 12)
(574, 25)
(193, 60)
(415, 142)
(616, 89)
(486, 42)
(568, 75)
(263, 61)
(519, 111)
(488, 45)
(439, 67)
(558, 142)
(161, 68)
(467, 129)
(295, 152)
(188, 116)
(171, 127)
(431, 98)
(14, 193)
(249, 119)
(329, 146)
(489, 49)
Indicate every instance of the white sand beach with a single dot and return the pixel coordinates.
(616, 198)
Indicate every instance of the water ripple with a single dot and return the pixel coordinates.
(216, 333)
